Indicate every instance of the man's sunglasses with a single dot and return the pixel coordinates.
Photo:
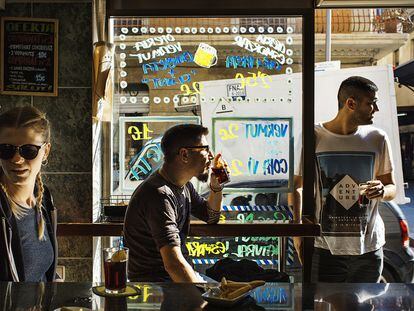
(205, 147)
(28, 151)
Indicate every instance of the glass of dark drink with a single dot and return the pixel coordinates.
(362, 199)
(115, 266)
(221, 172)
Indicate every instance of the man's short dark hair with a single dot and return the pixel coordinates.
(356, 87)
(179, 136)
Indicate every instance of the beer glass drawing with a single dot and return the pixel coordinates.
(115, 266)
(205, 56)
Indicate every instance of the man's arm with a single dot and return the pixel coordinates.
(214, 200)
(215, 197)
(206, 210)
(176, 266)
(384, 187)
(164, 229)
(295, 198)
(211, 213)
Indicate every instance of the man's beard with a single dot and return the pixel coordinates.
(203, 177)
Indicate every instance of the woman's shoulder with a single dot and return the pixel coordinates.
(4, 204)
(48, 199)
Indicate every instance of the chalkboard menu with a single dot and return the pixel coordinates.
(29, 50)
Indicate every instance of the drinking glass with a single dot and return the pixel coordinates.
(221, 171)
(115, 266)
(362, 199)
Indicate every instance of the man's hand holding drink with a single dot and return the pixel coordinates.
(369, 190)
(220, 174)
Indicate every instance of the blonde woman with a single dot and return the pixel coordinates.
(28, 249)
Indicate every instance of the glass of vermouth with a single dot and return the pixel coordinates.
(115, 266)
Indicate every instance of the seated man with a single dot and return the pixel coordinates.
(157, 220)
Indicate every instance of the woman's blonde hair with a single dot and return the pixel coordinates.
(28, 117)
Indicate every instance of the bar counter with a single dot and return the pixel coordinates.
(282, 228)
(176, 297)
(226, 228)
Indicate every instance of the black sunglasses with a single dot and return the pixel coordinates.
(206, 147)
(28, 151)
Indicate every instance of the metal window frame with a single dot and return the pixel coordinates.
(336, 4)
(228, 8)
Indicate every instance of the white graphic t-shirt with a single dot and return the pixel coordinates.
(350, 223)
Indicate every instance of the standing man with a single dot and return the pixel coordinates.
(349, 152)
(157, 220)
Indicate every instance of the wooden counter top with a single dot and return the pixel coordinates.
(200, 228)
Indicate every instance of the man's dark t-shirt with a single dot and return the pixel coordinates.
(158, 214)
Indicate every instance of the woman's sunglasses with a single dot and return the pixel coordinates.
(28, 151)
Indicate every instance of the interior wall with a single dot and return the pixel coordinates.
(69, 171)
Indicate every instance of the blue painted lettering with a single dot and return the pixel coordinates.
(275, 166)
(252, 165)
(266, 130)
(168, 62)
(235, 62)
(160, 82)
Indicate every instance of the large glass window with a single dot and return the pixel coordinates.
(241, 78)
